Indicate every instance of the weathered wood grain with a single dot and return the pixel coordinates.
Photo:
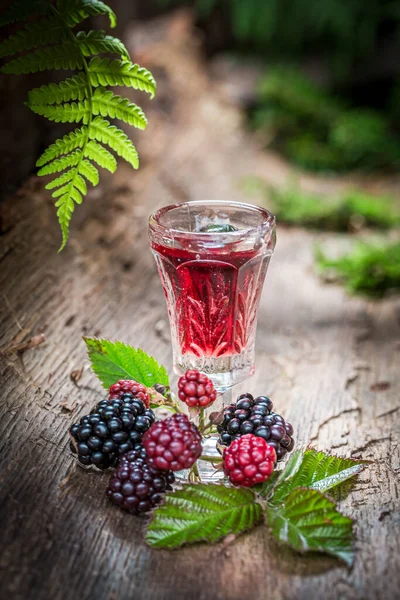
(320, 354)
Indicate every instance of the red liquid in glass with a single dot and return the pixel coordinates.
(212, 301)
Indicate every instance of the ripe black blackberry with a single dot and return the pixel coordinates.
(111, 429)
(135, 486)
(249, 415)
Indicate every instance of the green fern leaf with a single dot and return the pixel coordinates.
(62, 163)
(100, 155)
(75, 11)
(103, 71)
(102, 131)
(64, 178)
(80, 184)
(105, 103)
(89, 171)
(64, 213)
(95, 42)
(64, 113)
(64, 56)
(46, 31)
(21, 9)
(73, 88)
(74, 139)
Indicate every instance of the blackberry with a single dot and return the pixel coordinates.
(255, 416)
(135, 486)
(112, 428)
(173, 444)
(249, 460)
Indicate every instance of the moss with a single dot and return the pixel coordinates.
(370, 269)
(353, 209)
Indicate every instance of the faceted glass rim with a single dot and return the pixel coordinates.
(268, 223)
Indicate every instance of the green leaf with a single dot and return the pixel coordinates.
(72, 88)
(89, 171)
(46, 31)
(112, 361)
(72, 112)
(62, 163)
(315, 470)
(96, 42)
(74, 139)
(102, 131)
(100, 155)
(21, 9)
(103, 72)
(309, 521)
(105, 103)
(75, 11)
(64, 178)
(64, 56)
(202, 512)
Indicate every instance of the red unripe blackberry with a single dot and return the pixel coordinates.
(196, 389)
(130, 386)
(249, 460)
(135, 486)
(173, 444)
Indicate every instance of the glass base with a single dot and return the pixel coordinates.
(207, 471)
(224, 371)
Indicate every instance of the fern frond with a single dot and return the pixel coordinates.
(100, 155)
(64, 113)
(108, 104)
(65, 145)
(82, 97)
(89, 171)
(67, 176)
(64, 56)
(102, 131)
(103, 71)
(75, 11)
(64, 213)
(72, 88)
(46, 31)
(21, 9)
(95, 42)
(62, 163)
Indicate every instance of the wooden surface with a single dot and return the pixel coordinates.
(329, 362)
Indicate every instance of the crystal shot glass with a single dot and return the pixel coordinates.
(212, 256)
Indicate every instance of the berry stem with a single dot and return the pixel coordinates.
(211, 459)
(194, 475)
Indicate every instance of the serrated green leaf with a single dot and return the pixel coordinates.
(21, 9)
(108, 104)
(72, 88)
(46, 31)
(64, 178)
(309, 521)
(96, 42)
(112, 361)
(75, 11)
(103, 72)
(59, 164)
(102, 131)
(89, 171)
(74, 139)
(315, 470)
(100, 155)
(63, 56)
(202, 512)
(71, 112)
